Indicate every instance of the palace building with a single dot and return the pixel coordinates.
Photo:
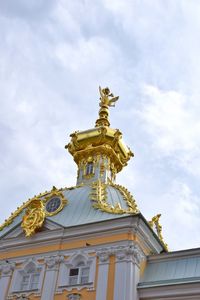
(90, 241)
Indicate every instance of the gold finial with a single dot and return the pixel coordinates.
(107, 99)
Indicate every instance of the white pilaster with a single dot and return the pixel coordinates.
(52, 264)
(6, 273)
(127, 272)
(103, 267)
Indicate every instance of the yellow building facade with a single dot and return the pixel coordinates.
(90, 241)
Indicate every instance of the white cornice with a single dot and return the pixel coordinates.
(130, 224)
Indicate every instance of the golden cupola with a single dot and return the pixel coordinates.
(99, 152)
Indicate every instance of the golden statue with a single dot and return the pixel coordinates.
(107, 98)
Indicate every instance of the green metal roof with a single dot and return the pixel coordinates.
(171, 270)
(79, 209)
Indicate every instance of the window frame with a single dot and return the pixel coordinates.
(30, 281)
(89, 168)
(73, 262)
(79, 275)
(29, 269)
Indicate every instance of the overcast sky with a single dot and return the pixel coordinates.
(53, 57)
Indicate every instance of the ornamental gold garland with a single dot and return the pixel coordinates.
(99, 196)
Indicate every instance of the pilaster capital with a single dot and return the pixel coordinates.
(52, 262)
(129, 252)
(104, 254)
(7, 268)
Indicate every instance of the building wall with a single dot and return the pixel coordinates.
(118, 248)
(110, 255)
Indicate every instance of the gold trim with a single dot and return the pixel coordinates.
(130, 201)
(157, 227)
(99, 196)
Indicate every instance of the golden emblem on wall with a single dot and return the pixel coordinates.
(33, 218)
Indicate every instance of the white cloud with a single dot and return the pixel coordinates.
(171, 119)
(53, 56)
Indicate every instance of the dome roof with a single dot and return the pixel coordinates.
(100, 154)
(82, 205)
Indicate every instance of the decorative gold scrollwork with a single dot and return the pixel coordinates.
(35, 213)
(99, 196)
(157, 227)
(33, 218)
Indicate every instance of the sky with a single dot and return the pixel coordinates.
(53, 57)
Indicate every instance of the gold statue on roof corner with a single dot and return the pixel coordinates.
(156, 226)
(107, 98)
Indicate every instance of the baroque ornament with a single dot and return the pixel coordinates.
(35, 211)
(20, 209)
(33, 218)
(99, 196)
(157, 227)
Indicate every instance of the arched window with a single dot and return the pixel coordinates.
(79, 274)
(77, 271)
(30, 281)
(89, 168)
(28, 278)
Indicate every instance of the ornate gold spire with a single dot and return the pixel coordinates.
(107, 99)
(99, 152)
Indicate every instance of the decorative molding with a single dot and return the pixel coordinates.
(53, 261)
(74, 296)
(22, 297)
(104, 254)
(124, 252)
(7, 268)
(129, 252)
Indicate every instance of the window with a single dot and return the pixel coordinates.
(77, 271)
(53, 204)
(29, 281)
(28, 278)
(89, 168)
(79, 275)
